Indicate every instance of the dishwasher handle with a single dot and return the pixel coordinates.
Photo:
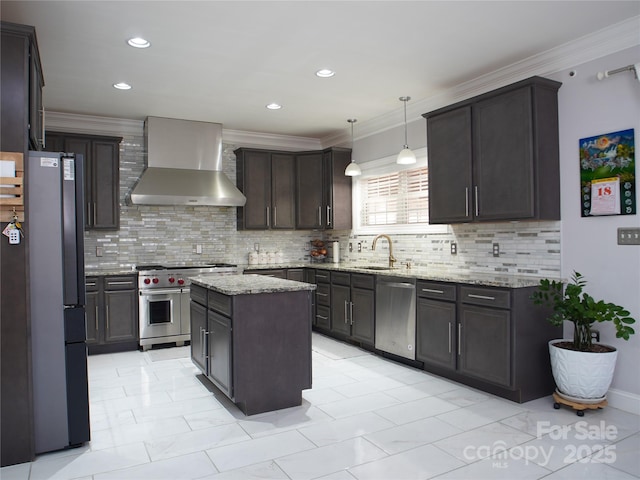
(398, 284)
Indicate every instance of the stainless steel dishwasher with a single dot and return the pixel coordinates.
(396, 315)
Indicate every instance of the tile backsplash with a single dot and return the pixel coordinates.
(170, 234)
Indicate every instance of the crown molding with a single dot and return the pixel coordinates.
(245, 139)
(93, 125)
(623, 35)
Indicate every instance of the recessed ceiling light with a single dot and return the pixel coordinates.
(138, 42)
(274, 106)
(122, 86)
(325, 73)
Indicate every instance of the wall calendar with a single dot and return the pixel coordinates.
(608, 174)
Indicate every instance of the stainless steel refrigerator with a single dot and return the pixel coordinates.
(54, 217)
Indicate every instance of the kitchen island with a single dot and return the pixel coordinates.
(251, 337)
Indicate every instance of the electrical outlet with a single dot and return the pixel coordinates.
(256, 247)
(496, 249)
(350, 247)
(454, 248)
(359, 246)
(99, 251)
(628, 236)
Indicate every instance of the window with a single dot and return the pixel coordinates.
(400, 198)
(391, 198)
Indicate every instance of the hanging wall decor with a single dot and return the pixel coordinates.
(608, 174)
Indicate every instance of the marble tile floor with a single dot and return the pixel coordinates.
(366, 417)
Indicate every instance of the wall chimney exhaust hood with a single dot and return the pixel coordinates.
(184, 166)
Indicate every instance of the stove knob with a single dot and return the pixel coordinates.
(147, 281)
(155, 280)
(171, 279)
(180, 281)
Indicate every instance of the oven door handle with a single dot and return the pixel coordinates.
(159, 292)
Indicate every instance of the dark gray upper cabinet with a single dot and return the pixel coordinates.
(101, 175)
(267, 179)
(323, 191)
(495, 157)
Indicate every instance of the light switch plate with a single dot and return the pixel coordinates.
(628, 236)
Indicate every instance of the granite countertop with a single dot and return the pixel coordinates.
(109, 270)
(249, 284)
(497, 279)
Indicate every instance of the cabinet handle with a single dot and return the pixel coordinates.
(449, 337)
(275, 216)
(351, 312)
(345, 311)
(431, 290)
(321, 276)
(96, 319)
(328, 215)
(320, 316)
(89, 214)
(124, 282)
(268, 223)
(322, 294)
(459, 339)
(90, 284)
(476, 195)
(107, 316)
(466, 201)
(43, 138)
(202, 342)
(320, 215)
(94, 213)
(481, 297)
(205, 340)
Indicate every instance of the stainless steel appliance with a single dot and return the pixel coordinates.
(164, 300)
(396, 315)
(54, 217)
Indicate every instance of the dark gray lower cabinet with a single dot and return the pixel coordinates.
(435, 330)
(220, 349)
(112, 313)
(256, 348)
(353, 306)
(485, 343)
(198, 319)
(490, 338)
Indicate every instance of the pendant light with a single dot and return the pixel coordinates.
(406, 156)
(353, 169)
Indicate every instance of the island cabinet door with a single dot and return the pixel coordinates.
(198, 318)
(220, 351)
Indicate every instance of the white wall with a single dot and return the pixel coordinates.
(589, 107)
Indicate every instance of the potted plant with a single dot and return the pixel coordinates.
(583, 370)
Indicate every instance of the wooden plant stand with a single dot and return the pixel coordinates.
(578, 407)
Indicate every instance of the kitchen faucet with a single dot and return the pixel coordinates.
(392, 259)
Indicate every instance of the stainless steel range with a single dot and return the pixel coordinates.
(164, 300)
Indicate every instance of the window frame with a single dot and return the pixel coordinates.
(380, 167)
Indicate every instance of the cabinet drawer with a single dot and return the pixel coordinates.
(199, 294)
(437, 291)
(127, 282)
(488, 297)
(323, 294)
(360, 280)
(92, 284)
(341, 278)
(219, 302)
(322, 276)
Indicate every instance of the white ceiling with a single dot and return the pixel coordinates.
(223, 61)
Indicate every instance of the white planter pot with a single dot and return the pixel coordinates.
(584, 375)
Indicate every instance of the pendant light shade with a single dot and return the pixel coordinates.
(406, 156)
(353, 169)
